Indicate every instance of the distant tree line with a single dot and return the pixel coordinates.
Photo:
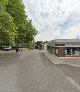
(15, 27)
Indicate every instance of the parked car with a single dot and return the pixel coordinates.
(7, 48)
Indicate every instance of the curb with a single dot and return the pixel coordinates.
(69, 79)
(6, 54)
(47, 58)
(73, 65)
(61, 63)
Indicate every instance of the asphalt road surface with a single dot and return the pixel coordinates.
(31, 71)
(70, 71)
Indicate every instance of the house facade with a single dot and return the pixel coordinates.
(64, 47)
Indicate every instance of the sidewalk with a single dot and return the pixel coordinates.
(4, 53)
(10, 52)
(69, 61)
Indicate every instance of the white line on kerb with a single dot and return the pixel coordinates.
(73, 82)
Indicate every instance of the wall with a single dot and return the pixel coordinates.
(61, 52)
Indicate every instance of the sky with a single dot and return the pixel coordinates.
(54, 19)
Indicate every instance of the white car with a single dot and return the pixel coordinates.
(7, 48)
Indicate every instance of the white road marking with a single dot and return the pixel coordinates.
(73, 82)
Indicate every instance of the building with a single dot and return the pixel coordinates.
(64, 47)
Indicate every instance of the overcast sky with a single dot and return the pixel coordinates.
(54, 19)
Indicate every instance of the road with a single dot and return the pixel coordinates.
(31, 71)
(70, 71)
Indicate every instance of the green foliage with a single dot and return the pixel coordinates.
(16, 9)
(29, 32)
(6, 22)
(7, 28)
(2, 5)
(15, 27)
(31, 45)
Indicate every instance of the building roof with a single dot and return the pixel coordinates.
(67, 40)
(64, 41)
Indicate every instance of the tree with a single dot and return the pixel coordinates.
(30, 31)
(15, 27)
(7, 27)
(24, 27)
(16, 10)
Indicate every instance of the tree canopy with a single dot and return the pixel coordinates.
(7, 26)
(15, 27)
